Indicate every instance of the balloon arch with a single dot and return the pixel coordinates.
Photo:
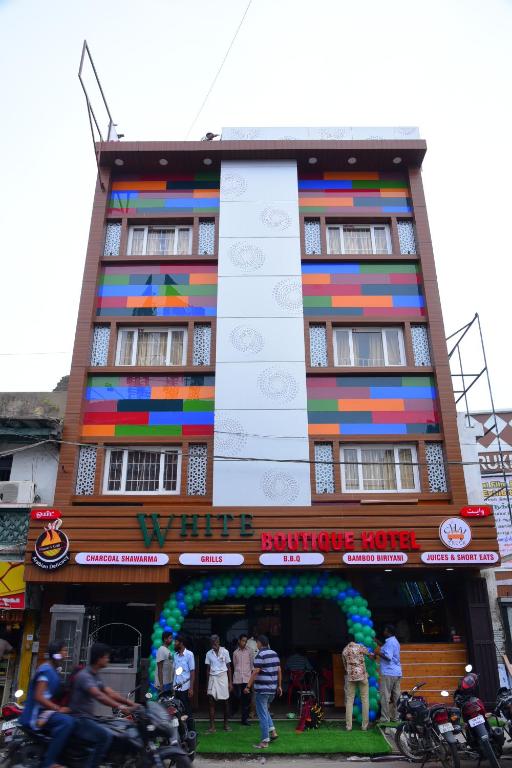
(210, 589)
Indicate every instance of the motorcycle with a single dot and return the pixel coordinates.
(134, 744)
(427, 732)
(481, 737)
(10, 715)
(174, 706)
(503, 709)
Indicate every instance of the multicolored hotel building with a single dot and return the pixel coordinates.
(260, 388)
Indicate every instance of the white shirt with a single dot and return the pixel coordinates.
(164, 654)
(185, 660)
(218, 663)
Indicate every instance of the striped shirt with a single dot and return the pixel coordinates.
(267, 661)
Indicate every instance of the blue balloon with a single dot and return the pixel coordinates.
(370, 622)
(205, 593)
(153, 652)
(168, 628)
(352, 592)
(356, 618)
(372, 715)
(317, 590)
(180, 595)
(260, 590)
(342, 595)
(182, 606)
(163, 621)
(207, 583)
(232, 591)
(357, 701)
(372, 681)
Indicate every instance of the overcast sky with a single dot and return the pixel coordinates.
(443, 65)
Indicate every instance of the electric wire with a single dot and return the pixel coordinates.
(210, 89)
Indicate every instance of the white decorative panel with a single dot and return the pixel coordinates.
(406, 237)
(312, 237)
(249, 256)
(324, 133)
(197, 469)
(324, 469)
(201, 353)
(260, 385)
(86, 471)
(112, 239)
(260, 296)
(241, 181)
(318, 345)
(260, 381)
(435, 468)
(206, 245)
(257, 338)
(420, 345)
(264, 219)
(100, 342)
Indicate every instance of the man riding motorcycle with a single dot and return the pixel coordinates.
(89, 688)
(41, 712)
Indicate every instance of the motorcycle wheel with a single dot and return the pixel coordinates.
(409, 744)
(489, 754)
(451, 757)
(180, 761)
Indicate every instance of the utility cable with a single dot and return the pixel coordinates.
(210, 89)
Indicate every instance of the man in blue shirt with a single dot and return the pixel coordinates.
(390, 674)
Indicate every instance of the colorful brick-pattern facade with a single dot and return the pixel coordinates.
(186, 194)
(333, 193)
(363, 289)
(158, 290)
(149, 406)
(372, 405)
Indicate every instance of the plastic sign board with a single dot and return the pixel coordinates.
(51, 550)
(455, 533)
(12, 586)
(476, 510)
(210, 558)
(459, 558)
(121, 558)
(292, 558)
(45, 514)
(375, 558)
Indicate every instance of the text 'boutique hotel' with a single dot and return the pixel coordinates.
(260, 423)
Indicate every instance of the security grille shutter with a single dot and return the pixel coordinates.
(482, 650)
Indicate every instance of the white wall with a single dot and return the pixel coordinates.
(37, 465)
(260, 382)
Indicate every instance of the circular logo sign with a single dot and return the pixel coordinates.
(455, 533)
(51, 548)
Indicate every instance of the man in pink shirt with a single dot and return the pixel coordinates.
(243, 666)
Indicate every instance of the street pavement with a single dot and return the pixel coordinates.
(310, 761)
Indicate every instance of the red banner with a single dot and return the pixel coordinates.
(45, 514)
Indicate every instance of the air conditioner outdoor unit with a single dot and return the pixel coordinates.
(17, 492)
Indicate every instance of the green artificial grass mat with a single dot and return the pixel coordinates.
(329, 739)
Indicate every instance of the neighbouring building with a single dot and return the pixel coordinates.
(260, 413)
(28, 471)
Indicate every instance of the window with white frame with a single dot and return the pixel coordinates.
(160, 241)
(379, 469)
(152, 346)
(358, 239)
(368, 347)
(142, 470)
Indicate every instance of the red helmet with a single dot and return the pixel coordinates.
(469, 682)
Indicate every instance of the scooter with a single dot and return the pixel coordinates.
(176, 710)
(486, 740)
(10, 715)
(503, 708)
(135, 744)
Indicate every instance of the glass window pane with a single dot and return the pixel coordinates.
(333, 240)
(357, 239)
(381, 242)
(183, 242)
(342, 346)
(378, 469)
(368, 348)
(143, 471)
(126, 341)
(171, 471)
(177, 346)
(393, 336)
(115, 469)
(405, 458)
(137, 241)
(160, 241)
(151, 347)
(351, 470)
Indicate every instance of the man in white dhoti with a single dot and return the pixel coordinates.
(219, 680)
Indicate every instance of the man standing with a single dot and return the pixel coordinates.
(356, 677)
(253, 647)
(218, 680)
(89, 688)
(184, 659)
(390, 674)
(243, 666)
(266, 678)
(164, 673)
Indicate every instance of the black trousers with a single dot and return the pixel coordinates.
(187, 705)
(244, 699)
